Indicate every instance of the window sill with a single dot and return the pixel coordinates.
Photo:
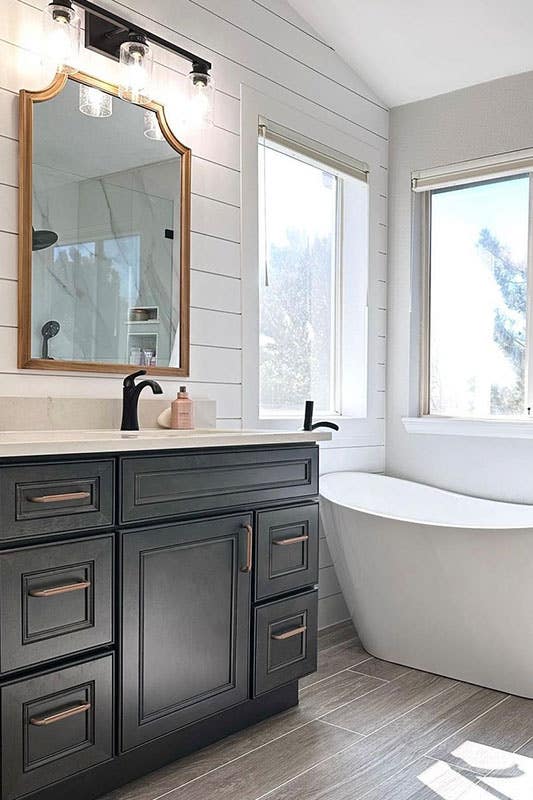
(461, 426)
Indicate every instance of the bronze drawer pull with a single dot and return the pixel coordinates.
(60, 715)
(279, 637)
(294, 540)
(249, 542)
(54, 590)
(60, 498)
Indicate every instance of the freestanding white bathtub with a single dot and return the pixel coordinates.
(435, 580)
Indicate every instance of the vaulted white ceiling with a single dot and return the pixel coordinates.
(407, 50)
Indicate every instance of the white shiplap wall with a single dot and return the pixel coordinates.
(264, 44)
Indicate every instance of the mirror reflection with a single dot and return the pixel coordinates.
(106, 232)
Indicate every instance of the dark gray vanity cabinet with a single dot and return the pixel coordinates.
(151, 603)
(185, 624)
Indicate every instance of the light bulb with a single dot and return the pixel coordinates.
(94, 103)
(136, 62)
(201, 96)
(152, 128)
(61, 36)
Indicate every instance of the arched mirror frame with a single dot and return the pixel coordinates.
(25, 359)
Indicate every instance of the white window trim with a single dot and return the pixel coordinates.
(422, 182)
(510, 428)
(255, 106)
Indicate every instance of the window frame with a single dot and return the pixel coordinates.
(355, 429)
(337, 270)
(477, 172)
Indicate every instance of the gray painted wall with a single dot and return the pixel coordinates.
(483, 120)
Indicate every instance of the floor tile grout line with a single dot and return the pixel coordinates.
(231, 761)
(403, 714)
(352, 640)
(387, 680)
(340, 727)
(516, 751)
(523, 745)
(426, 754)
(479, 716)
(403, 769)
(453, 766)
(305, 771)
(340, 671)
(254, 749)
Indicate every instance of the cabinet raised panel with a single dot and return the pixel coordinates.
(285, 641)
(287, 550)
(56, 599)
(55, 725)
(56, 497)
(155, 487)
(185, 625)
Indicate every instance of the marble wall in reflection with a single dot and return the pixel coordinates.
(117, 250)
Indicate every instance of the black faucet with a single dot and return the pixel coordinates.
(130, 399)
(308, 419)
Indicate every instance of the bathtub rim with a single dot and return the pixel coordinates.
(457, 524)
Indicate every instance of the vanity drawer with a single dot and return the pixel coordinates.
(40, 499)
(287, 550)
(285, 641)
(154, 486)
(55, 725)
(56, 600)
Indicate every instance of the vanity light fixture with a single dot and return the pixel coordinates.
(136, 63)
(116, 38)
(94, 103)
(201, 94)
(62, 29)
(152, 129)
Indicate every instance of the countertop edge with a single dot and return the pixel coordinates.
(143, 443)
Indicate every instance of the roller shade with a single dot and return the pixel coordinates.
(480, 169)
(313, 150)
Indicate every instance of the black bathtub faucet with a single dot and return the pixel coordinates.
(309, 425)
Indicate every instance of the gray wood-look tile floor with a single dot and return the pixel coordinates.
(364, 728)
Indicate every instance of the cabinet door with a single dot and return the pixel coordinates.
(287, 550)
(56, 600)
(185, 625)
(285, 641)
(55, 725)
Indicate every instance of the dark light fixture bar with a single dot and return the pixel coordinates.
(105, 32)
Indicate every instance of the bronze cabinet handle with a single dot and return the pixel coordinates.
(279, 637)
(54, 590)
(249, 543)
(60, 498)
(294, 540)
(49, 719)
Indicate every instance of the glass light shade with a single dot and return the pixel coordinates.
(136, 64)
(151, 126)
(201, 100)
(61, 36)
(95, 103)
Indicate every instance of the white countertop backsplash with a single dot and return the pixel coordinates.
(87, 413)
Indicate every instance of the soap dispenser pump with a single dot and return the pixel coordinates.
(181, 414)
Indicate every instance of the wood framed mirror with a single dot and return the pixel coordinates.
(104, 233)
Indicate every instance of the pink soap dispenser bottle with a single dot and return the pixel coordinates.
(181, 413)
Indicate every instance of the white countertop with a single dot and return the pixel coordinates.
(32, 443)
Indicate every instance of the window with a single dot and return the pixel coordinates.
(477, 341)
(313, 265)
